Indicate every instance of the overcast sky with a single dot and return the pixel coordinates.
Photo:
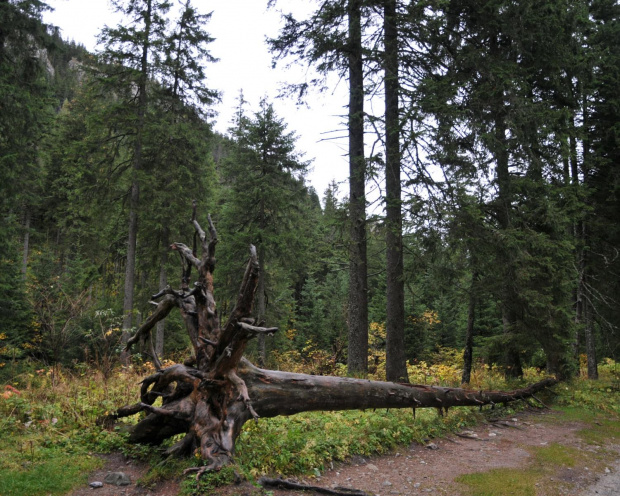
(239, 28)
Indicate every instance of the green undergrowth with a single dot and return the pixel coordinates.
(48, 433)
(49, 437)
(208, 482)
(309, 443)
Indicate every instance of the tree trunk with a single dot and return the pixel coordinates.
(512, 360)
(134, 200)
(357, 362)
(214, 393)
(590, 347)
(468, 353)
(130, 264)
(396, 363)
(587, 309)
(262, 307)
(26, 243)
(163, 282)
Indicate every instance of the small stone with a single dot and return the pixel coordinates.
(387, 483)
(607, 471)
(432, 446)
(117, 479)
(492, 434)
(514, 419)
(96, 484)
(416, 485)
(372, 467)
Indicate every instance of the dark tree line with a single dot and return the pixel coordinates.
(496, 152)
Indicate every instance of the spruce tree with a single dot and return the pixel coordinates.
(264, 193)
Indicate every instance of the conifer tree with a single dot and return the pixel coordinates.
(331, 41)
(157, 75)
(264, 194)
(25, 111)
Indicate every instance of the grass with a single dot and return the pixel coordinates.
(501, 482)
(51, 474)
(49, 435)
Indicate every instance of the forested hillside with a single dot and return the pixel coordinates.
(490, 131)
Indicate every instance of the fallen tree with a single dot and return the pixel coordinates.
(217, 390)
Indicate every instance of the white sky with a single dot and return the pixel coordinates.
(239, 28)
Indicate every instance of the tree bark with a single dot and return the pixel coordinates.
(357, 361)
(211, 395)
(396, 363)
(468, 353)
(262, 307)
(134, 198)
(26, 248)
(512, 360)
(163, 282)
(587, 310)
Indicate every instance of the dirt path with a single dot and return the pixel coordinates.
(432, 469)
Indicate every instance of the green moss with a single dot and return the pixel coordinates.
(557, 455)
(55, 475)
(501, 482)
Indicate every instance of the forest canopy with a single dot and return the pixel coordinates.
(495, 148)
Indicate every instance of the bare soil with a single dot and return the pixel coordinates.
(432, 469)
(119, 463)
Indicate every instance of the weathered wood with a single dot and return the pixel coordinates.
(295, 486)
(214, 393)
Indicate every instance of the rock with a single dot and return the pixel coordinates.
(372, 467)
(96, 484)
(416, 485)
(432, 446)
(387, 483)
(607, 471)
(117, 479)
(492, 434)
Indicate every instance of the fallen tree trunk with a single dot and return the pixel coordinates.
(217, 390)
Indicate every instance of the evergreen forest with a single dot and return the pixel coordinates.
(492, 161)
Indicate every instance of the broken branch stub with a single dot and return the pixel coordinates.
(217, 390)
